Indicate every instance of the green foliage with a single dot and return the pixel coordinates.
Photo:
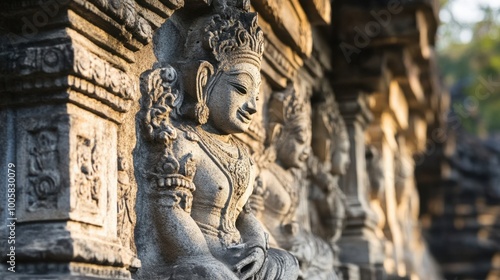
(472, 69)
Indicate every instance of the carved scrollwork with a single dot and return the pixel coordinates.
(160, 102)
(36, 60)
(103, 74)
(88, 179)
(44, 179)
(91, 75)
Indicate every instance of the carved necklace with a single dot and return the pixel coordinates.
(286, 179)
(237, 165)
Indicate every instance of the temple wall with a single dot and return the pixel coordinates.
(74, 84)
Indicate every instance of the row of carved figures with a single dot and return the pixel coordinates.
(210, 206)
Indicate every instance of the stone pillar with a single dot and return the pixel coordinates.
(358, 244)
(391, 118)
(66, 87)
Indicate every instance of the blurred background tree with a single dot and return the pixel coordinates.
(469, 58)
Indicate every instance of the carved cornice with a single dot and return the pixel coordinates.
(289, 21)
(131, 22)
(65, 59)
(318, 11)
(125, 13)
(36, 60)
(368, 73)
(102, 74)
(280, 63)
(277, 65)
(66, 65)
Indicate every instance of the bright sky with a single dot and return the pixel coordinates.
(467, 11)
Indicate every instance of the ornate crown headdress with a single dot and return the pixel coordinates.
(285, 107)
(233, 37)
(223, 37)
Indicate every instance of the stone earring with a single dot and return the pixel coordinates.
(201, 110)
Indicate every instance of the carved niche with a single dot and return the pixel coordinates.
(47, 147)
(40, 164)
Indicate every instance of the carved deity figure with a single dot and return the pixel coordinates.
(281, 183)
(376, 182)
(125, 206)
(407, 203)
(330, 160)
(195, 220)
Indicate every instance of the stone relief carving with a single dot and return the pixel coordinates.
(41, 142)
(48, 193)
(92, 68)
(329, 161)
(280, 195)
(36, 60)
(44, 179)
(404, 170)
(126, 216)
(407, 203)
(125, 11)
(198, 176)
(92, 75)
(88, 180)
(91, 171)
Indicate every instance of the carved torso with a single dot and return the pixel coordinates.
(224, 173)
(281, 200)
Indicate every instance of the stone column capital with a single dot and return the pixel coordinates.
(354, 108)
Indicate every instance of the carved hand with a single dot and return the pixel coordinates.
(251, 263)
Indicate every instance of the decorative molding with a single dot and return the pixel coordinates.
(125, 13)
(103, 74)
(289, 22)
(35, 270)
(36, 60)
(279, 61)
(318, 11)
(93, 76)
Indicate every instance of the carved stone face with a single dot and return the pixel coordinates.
(296, 147)
(341, 159)
(233, 100)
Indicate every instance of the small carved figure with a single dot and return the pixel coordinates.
(200, 176)
(281, 184)
(125, 204)
(330, 161)
(376, 182)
